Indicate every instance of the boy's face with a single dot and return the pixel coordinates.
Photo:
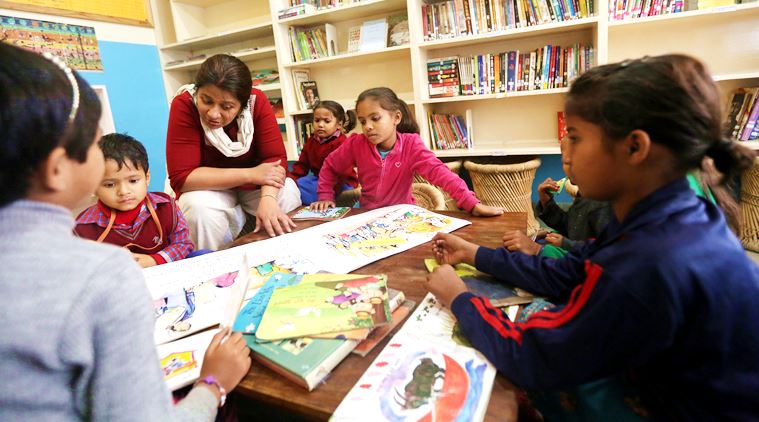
(123, 189)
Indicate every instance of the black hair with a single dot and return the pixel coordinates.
(36, 98)
(390, 102)
(346, 119)
(121, 147)
(227, 73)
(674, 99)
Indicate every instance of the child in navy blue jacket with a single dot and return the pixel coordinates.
(665, 296)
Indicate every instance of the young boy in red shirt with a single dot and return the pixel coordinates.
(149, 224)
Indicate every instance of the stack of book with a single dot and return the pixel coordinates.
(313, 42)
(743, 115)
(443, 77)
(633, 9)
(449, 131)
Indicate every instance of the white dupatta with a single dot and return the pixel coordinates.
(218, 138)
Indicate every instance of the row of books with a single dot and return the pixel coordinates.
(632, 9)
(314, 42)
(450, 131)
(443, 77)
(304, 129)
(743, 115)
(454, 18)
(547, 67)
(304, 7)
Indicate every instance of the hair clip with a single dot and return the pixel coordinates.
(72, 80)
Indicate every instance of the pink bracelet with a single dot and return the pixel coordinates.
(211, 380)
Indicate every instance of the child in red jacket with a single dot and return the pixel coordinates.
(331, 123)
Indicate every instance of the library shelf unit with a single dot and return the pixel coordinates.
(511, 123)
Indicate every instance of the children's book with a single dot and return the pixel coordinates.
(396, 299)
(307, 213)
(250, 316)
(337, 303)
(499, 293)
(379, 333)
(310, 93)
(425, 372)
(561, 182)
(299, 76)
(373, 35)
(181, 359)
(304, 361)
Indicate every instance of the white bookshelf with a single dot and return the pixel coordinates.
(513, 123)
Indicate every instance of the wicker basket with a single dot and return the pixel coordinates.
(348, 198)
(450, 203)
(428, 196)
(508, 186)
(750, 207)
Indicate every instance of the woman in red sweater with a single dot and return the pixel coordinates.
(225, 155)
(331, 123)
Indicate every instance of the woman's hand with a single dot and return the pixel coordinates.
(545, 188)
(271, 218)
(445, 284)
(451, 249)
(145, 261)
(320, 206)
(481, 210)
(517, 241)
(554, 239)
(269, 174)
(227, 360)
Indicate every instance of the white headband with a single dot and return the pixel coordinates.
(72, 80)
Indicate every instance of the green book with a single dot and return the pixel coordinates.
(304, 361)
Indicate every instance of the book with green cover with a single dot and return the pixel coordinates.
(481, 284)
(336, 303)
(305, 361)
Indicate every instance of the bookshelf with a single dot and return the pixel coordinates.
(508, 123)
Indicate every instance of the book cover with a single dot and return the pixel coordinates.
(310, 93)
(299, 76)
(373, 35)
(337, 303)
(304, 361)
(250, 315)
(379, 333)
(396, 298)
(354, 39)
(307, 213)
(485, 285)
(181, 359)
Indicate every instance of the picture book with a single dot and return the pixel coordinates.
(250, 316)
(337, 303)
(395, 299)
(304, 361)
(373, 35)
(482, 284)
(299, 76)
(378, 334)
(310, 93)
(354, 39)
(181, 359)
(424, 373)
(333, 213)
(561, 182)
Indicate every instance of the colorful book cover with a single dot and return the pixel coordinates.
(338, 303)
(181, 359)
(396, 298)
(305, 361)
(250, 316)
(379, 333)
(307, 213)
(485, 285)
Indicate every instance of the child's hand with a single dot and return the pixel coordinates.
(227, 361)
(481, 210)
(320, 206)
(145, 261)
(268, 174)
(451, 249)
(554, 239)
(541, 234)
(445, 284)
(544, 189)
(516, 241)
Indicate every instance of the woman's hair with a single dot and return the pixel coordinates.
(674, 100)
(346, 120)
(227, 73)
(36, 102)
(390, 102)
(124, 150)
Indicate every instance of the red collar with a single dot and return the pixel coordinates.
(122, 217)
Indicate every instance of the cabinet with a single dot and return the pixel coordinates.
(512, 123)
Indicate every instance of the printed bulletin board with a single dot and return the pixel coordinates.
(130, 12)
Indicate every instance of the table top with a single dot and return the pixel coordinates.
(405, 271)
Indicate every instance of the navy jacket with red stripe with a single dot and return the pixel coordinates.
(668, 294)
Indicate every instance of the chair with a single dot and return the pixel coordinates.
(508, 186)
(450, 203)
(749, 233)
(428, 196)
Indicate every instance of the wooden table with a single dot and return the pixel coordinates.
(263, 393)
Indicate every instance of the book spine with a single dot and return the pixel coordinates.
(316, 376)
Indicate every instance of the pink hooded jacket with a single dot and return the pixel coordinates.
(388, 182)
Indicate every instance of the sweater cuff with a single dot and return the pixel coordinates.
(460, 304)
(159, 259)
(483, 259)
(468, 203)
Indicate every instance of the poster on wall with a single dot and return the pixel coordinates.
(106, 117)
(76, 45)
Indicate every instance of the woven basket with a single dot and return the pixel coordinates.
(750, 207)
(428, 196)
(450, 203)
(508, 186)
(348, 198)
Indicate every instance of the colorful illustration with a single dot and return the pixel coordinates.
(485, 285)
(181, 359)
(326, 304)
(328, 214)
(250, 316)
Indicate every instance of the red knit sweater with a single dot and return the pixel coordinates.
(187, 150)
(312, 158)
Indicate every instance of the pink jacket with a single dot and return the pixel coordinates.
(388, 182)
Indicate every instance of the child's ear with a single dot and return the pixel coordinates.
(54, 171)
(147, 177)
(397, 118)
(637, 145)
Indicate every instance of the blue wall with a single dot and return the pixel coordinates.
(550, 166)
(135, 87)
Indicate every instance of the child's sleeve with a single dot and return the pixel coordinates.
(554, 216)
(337, 163)
(180, 244)
(603, 328)
(436, 172)
(302, 167)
